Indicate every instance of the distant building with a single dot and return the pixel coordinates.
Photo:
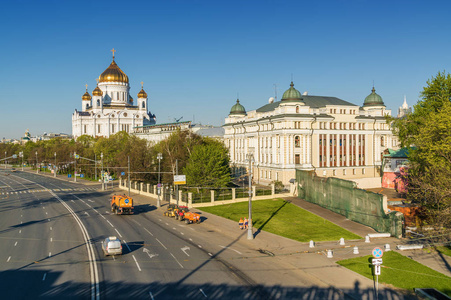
(404, 109)
(111, 108)
(327, 135)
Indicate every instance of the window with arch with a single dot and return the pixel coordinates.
(297, 109)
(98, 102)
(297, 141)
(87, 105)
(143, 105)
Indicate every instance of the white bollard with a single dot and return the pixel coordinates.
(342, 241)
(312, 244)
(356, 250)
(387, 247)
(329, 254)
(367, 239)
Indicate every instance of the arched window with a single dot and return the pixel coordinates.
(143, 105)
(297, 141)
(297, 109)
(87, 105)
(98, 102)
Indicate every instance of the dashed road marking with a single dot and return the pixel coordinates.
(118, 232)
(161, 244)
(203, 293)
(15, 244)
(199, 246)
(176, 260)
(50, 254)
(210, 254)
(151, 296)
(20, 231)
(8, 259)
(127, 246)
(148, 231)
(136, 263)
(110, 223)
(51, 228)
(43, 277)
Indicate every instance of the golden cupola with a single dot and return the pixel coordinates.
(97, 92)
(113, 73)
(142, 93)
(86, 95)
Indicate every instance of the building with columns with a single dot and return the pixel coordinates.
(111, 108)
(328, 135)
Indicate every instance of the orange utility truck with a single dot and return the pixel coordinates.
(121, 205)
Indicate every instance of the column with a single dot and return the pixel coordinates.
(327, 146)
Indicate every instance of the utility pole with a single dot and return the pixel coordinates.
(177, 186)
(101, 173)
(95, 165)
(37, 171)
(250, 235)
(159, 157)
(75, 167)
(54, 167)
(129, 176)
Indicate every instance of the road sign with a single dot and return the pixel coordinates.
(69, 175)
(122, 173)
(82, 175)
(14, 155)
(159, 185)
(179, 179)
(77, 156)
(126, 201)
(377, 270)
(377, 261)
(377, 252)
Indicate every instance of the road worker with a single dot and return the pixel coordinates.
(241, 223)
(246, 224)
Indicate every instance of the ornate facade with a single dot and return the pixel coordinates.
(111, 108)
(328, 135)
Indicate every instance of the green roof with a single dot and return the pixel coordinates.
(312, 101)
(401, 153)
(238, 109)
(291, 93)
(373, 99)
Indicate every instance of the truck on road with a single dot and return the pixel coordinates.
(121, 205)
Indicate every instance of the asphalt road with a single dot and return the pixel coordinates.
(51, 233)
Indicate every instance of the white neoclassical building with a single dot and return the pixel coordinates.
(111, 108)
(328, 135)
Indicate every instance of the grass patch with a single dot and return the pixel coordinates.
(446, 250)
(401, 272)
(285, 219)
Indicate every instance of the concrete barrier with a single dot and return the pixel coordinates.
(379, 235)
(409, 247)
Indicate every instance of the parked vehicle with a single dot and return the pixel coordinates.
(121, 205)
(112, 246)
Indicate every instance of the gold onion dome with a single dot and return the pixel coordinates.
(86, 96)
(113, 74)
(97, 92)
(142, 94)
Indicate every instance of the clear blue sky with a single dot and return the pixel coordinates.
(195, 56)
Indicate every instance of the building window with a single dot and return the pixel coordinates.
(344, 171)
(297, 109)
(297, 159)
(98, 128)
(353, 171)
(84, 129)
(143, 105)
(297, 141)
(112, 128)
(335, 172)
(363, 171)
(98, 102)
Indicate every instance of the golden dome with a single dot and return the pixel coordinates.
(113, 74)
(97, 92)
(86, 96)
(142, 94)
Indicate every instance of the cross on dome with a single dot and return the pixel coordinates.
(142, 84)
(112, 50)
(86, 87)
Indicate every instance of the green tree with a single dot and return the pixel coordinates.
(208, 165)
(428, 132)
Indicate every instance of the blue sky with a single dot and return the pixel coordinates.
(196, 56)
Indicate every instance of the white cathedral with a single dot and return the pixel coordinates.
(111, 109)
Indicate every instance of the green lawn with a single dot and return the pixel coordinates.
(445, 250)
(285, 219)
(401, 272)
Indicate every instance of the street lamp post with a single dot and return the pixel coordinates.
(21, 154)
(95, 165)
(75, 166)
(37, 171)
(54, 167)
(250, 158)
(101, 172)
(129, 183)
(159, 157)
(5, 159)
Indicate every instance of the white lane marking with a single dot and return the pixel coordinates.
(15, 244)
(8, 259)
(210, 254)
(184, 249)
(107, 212)
(182, 233)
(230, 249)
(199, 246)
(136, 222)
(50, 254)
(174, 228)
(127, 246)
(102, 216)
(159, 220)
(114, 258)
(88, 205)
(48, 219)
(203, 293)
(51, 228)
(118, 232)
(191, 239)
(86, 213)
(43, 207)
(43, 277)
(20, 231)
(136, 263)
(90, 200)
(110, 223)
(161, 244)
(21, 215)
(167, 224)
(151, 296)
(51, 239)
(46, 213)
(21, 222)
(148, 231)
(72, 201)
(176, 260)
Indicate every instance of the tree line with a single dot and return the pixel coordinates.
(204, 160)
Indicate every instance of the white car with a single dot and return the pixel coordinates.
(112, 246)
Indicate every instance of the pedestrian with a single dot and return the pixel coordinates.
(241, 223)
(245, 223)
